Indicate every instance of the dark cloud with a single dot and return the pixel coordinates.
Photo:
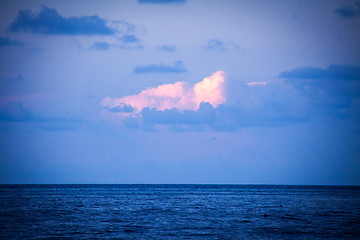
(4, 41)
(162, 1)
(348, 11)
(15, 112)
(131, 38)
(174, 119)
(332, 91)
(303, 73)
(124, 108)
(205, 115)
(167, 48)
(332, 72)
(49, 21)
(130, 41)
(100, 46)
(215, 45)
(262, 106)
(178, 67)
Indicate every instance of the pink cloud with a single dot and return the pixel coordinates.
(256, 83)
(179, 95)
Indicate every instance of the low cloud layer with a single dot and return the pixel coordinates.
(306, 93)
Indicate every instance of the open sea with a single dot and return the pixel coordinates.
(179, 212)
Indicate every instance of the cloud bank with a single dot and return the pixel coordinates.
(49, 21)
(332, 72)
(202, 106)
(179, 95)
(332, 92)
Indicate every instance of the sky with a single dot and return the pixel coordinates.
(180, 91)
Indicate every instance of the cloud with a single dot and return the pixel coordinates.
(202, 106)
(178, 67)
(15, 112)
(256, 83)
(335, 80)
(176, 120)
(162, 1)
(348, 11)
(331, 72)
(4, 41)
(49, 21)
(100, 46)
(122, 109)
(259, 106)
(333, 91)
(124, 26)
(264, 106)
(204, 115)
(167, 48)
(179, 95)
(130, 41)
(131, 38)
(221, 46)
(215, 45)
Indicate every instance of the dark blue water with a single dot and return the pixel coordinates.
(179, 212)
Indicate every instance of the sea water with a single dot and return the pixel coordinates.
(179, 212)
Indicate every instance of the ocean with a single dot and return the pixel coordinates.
(179, 212)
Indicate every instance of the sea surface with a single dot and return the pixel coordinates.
(179, 212)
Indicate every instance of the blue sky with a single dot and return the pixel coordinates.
(180, 91)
